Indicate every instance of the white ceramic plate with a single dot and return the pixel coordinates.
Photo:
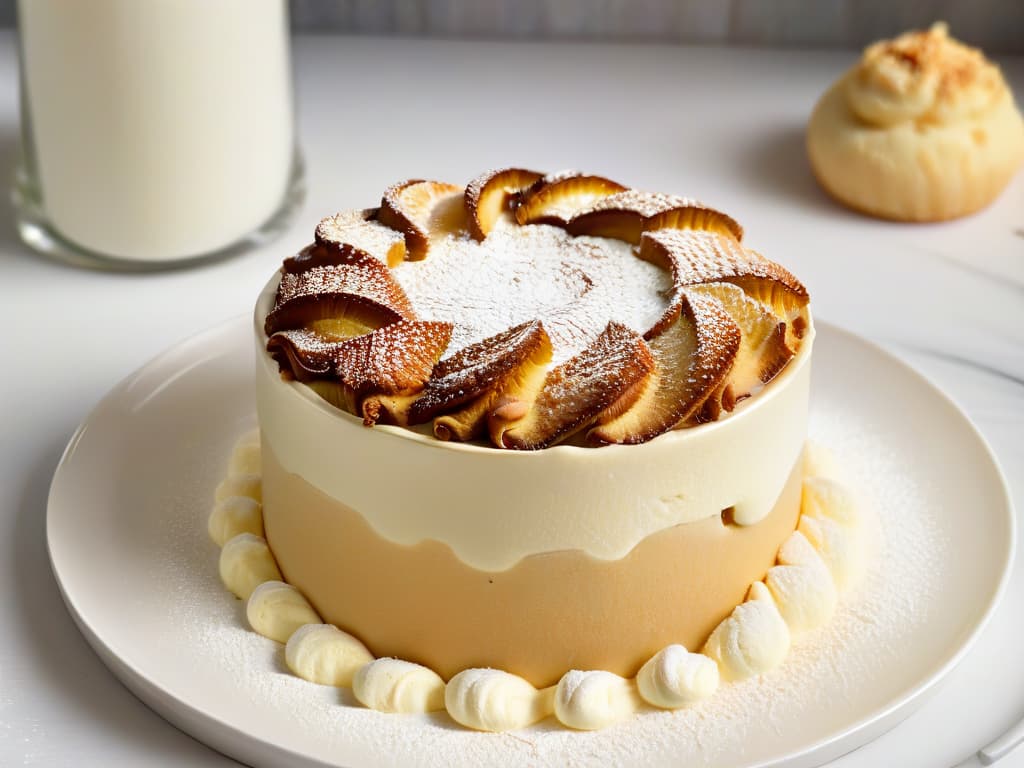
(126, 534)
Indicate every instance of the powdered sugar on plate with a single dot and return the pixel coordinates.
(126, 522)
(823, 672)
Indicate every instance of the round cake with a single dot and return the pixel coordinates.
(541, 423)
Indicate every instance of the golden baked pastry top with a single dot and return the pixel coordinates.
(921, 128)
(923, 75)
(529, 309)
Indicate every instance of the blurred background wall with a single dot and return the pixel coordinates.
(996, 25)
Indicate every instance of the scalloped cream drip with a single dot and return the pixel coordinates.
(797, 594)
(923, 76)
(686, 475)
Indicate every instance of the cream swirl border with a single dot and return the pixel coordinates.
(824, 556)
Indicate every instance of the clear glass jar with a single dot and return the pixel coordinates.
(155, 133)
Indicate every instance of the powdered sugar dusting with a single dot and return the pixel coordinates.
(641, 203)
(393, 359)
(368, 280)
(355, 228)
(575, 286)
(700, 256)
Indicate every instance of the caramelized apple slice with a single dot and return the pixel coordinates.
(422, 210)
(478, 369)
(328, 255)
(494, 193)
(360, 231)
(303, 354)
(763, 350)
(692, 357)
(611, 373)
(621, 215)
(695, 257)
(556, 198)
(364, 294)
(380, 374)
(527, 375)
(625, 215)
(719, 401)
(695, 215)
(471, 421)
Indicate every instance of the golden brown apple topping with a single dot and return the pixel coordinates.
(361, 231)
(328, 255)
(556, 198)
(612, 370)
(625, 215)
(422, 211)
(478, 368)
(529, 255)
(494, 193)
(378, 375)
(763, 349)
(516, 381)
(692, 357)
(303, 353)
(364, 292)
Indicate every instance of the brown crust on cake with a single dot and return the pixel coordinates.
(476, 369)
(409, 206)
(331, 291)
(556, 198)
(692, 358)
(359, 230)
(493, 192)
(393, 360)
(303, 354)
(731, 320)
(327, 255)
(695, 257)
(626, 215)
(608, 371)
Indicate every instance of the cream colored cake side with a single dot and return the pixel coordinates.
(548, 613)
(493, 508)
(798, 594)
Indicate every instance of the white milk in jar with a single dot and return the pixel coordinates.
(156, 130)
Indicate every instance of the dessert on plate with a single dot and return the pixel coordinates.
(526, 447)
(922, 128)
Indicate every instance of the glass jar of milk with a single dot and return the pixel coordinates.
(154, 132)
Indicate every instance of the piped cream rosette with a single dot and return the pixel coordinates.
(922, 128)
(824, 556)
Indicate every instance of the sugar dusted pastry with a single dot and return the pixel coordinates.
(507, 432)
(524, 443)
(922, 128)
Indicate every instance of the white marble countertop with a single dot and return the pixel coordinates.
(725, 125)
